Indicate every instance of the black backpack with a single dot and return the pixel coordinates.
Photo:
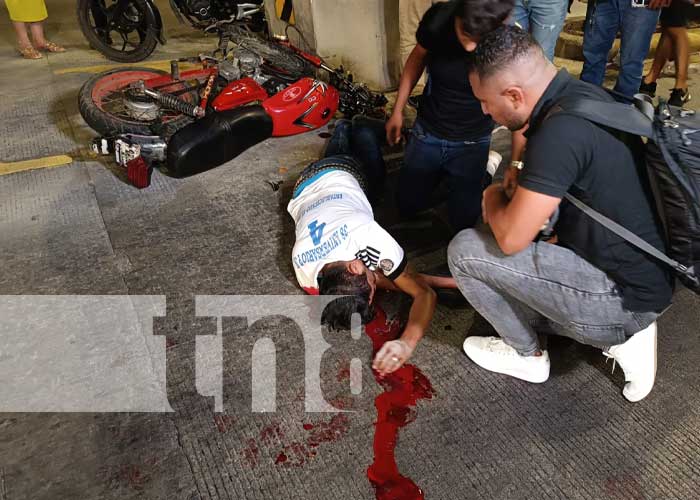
(672, 155)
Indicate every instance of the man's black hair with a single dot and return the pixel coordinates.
(482, 16)
(502, 47)
(337, 280)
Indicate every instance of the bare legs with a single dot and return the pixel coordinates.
(37, 30)
(673, 42)
(22, 36)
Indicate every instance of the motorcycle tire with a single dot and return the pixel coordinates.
(141, 52)
(107, 124)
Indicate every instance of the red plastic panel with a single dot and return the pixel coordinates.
(238, 93)
(305, 105)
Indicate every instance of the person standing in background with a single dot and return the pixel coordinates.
(674, 42)
(636, 22)
(32, 13)
(410, 14)
(544, 19)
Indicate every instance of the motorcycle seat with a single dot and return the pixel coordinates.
(217, 138)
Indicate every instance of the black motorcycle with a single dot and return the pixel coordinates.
(129, 30)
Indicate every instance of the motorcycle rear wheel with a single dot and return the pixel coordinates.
(140, 19)
(99, 106)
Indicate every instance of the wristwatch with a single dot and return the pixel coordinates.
(517, 164)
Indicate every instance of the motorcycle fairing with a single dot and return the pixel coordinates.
(216, 139)
(305, 105)
(239, 93)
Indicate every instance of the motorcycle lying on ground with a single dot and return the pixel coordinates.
(195, 120)
(129, 30)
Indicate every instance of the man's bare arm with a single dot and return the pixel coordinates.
(516, 222)
(419, 317)
(430, 280)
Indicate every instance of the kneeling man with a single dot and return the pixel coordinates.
(591, 285)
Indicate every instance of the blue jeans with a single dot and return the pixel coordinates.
(362, 138)
(544, 19)
(604, 18)
(545, 288)
(429, 159)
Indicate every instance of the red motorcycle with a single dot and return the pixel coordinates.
(196, 120)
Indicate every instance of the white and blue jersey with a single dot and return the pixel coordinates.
(335, 222)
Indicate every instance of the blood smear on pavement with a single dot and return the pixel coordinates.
(402, 389)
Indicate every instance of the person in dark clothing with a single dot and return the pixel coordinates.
(591, 285)
(636, 22)
(451, 136)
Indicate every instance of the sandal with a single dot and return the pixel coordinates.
(29, 52)
(52, 47)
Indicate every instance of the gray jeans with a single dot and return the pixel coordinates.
(543, 288)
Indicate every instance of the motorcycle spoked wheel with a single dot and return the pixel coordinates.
(282, 59)
(131, 37)
(101, 103)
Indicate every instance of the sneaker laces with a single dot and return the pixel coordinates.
(608, 357)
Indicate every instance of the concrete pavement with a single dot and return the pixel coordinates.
(80, 229)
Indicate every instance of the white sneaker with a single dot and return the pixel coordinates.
(637, 357)
(495, 355)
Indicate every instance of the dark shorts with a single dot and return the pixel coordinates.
(677, 15)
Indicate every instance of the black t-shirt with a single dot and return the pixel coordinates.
(448, 108)
(566, 153)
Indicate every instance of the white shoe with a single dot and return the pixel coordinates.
(637, 357)
(495, 355)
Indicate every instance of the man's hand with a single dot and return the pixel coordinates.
(494, 190)
(393, 128)
(391, 357)
(510, 180)
(658, 4)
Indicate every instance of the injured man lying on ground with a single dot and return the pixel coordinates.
(341, 250)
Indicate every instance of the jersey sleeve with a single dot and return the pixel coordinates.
(391, 258)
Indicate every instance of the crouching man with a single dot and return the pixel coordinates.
(591, 285)
(341, 250)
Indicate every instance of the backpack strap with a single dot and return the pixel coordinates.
(634, 119)
(626, 234)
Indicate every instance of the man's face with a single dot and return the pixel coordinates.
(506, 106)
(465, 39)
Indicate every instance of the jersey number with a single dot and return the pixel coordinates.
(316, 231)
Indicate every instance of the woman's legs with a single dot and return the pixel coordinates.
(22, 36)
(37, 30)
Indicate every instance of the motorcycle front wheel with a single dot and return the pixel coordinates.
(122, 30)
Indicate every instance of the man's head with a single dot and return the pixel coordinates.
(509, 75)
(475, 18)
(353, 279)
